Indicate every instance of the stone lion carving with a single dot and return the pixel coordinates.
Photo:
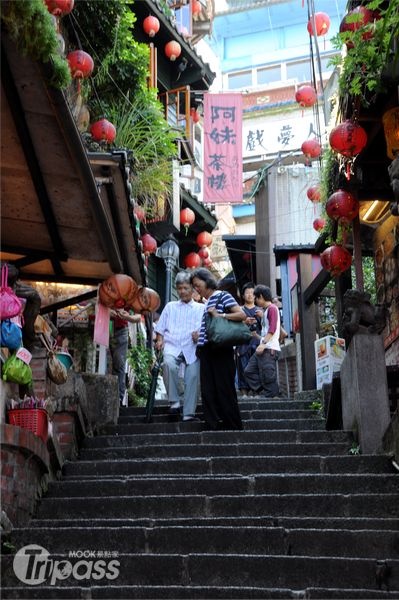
(360, 315)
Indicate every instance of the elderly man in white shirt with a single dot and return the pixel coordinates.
(177, 334)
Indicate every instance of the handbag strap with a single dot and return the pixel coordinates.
(4, 276)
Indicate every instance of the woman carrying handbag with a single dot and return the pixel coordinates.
(217, 366)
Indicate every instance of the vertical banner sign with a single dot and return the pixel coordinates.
(223, 148)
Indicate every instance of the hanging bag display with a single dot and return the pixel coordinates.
(56, 371)
(10, 304)
(225, 333)
(16, 368)
(11, 335)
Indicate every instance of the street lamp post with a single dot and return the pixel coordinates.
(169, 251)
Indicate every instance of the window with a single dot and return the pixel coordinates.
(240, 80)
(269, 75)
(299, 71)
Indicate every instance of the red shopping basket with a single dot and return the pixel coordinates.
(34, 419)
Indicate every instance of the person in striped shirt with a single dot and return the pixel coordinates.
(177, 332)
(217, 366)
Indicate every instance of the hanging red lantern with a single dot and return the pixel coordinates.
(322, 23)
(172, 50)
(306, 95)
(203, 253)
(356, 19)
(187, 218)
(196, 7)
(139, 213)
(59, 8)
(246, 257)
(342, 206)
(336, 260)
(103, 130)
(151, 25)
(149, 244)
(319, 224)
(348, 138)
(192, 260)
(204, 239)
(311, 149)
(195, 115)
(313, 193)
(207, 262)
(81, 64)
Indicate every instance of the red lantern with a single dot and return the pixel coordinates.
(311, 149)
(139, 213)
(149, 244)
(151, 25)
(322, 23)
(204, 239)
(313, 193)
(187, 218)
(196, 7)
(319, 224)
(59, 8)
(192, 260)
(306, 95)
(203, 253)
(348, 138)
(80, 63)
(103, 130)
(246, 257)
(336, 260)
(172, 50)
(342, 206)
(207, 262)
(357, 19)
(195, 115)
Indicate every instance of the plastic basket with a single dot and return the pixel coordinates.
(34, 419)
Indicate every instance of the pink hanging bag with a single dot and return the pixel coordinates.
(10, 304)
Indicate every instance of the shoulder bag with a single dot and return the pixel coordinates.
(224, 333)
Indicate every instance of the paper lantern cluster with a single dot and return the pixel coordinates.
(202, 257)
(120, 291)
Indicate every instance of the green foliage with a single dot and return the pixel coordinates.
(140, 359)
(31, 26)
(371, 49)
(354, 449)
(316, 406)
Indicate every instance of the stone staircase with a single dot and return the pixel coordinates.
(279, 510)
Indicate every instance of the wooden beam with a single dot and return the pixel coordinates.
(308, 322)
(68, 302)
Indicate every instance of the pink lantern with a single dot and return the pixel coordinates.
(192, 260)
(313, 193)
(203, 253)
(311, 148)
(81, 64)
(319, 224)
(322, 23)
(204, 239)
(103, 130)
(149, 244)
(336, 260)
(207, 262)
(342, 206)
(306, 96)
(151, 26)
(172, 50)
(59, 8)
(139, 213)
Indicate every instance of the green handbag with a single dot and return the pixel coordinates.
(225, 333)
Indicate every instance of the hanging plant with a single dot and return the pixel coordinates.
(31, 27)
(370, 48)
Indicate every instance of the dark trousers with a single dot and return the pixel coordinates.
(219, 397)
(261, 373)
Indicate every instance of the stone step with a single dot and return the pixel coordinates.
(347, 523)
(227, 465)
(245, 405)
(281, 572)
(209, 450)
(219, 437)
(190, 592)
(216, 540)
(214, 486)
(316, 505)
(246, 415)
(182, 427)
